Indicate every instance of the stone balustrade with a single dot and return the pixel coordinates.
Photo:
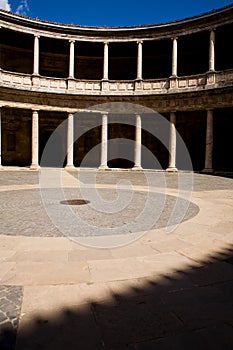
(96, 87)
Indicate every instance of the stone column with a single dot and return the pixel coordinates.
(211, 52)
(138, 143)
(172, 143)
(104, 142)
(0, 137)
(71, 62)
(174, 57)
(209, 143)
(139, 61)
(35, 140)
(36, 55)
(70, 142)
(105, 68)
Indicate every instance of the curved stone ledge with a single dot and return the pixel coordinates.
(94, 87)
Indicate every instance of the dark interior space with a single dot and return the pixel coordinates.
(54, 57)
(222, 139)
(16, 137)
(87, 139)
(120, 146)
(123, 61)
(89, 60)
(16, 51)
(192, 128)
(223, 52)
(193, 54)
(157, 59)
(52, 141)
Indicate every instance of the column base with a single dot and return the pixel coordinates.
(208, 170)
(103, 167)
(34, 167)
(172, 169)
(69, 167)
(137, 167)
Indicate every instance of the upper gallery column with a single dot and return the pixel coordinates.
(35, 140)
(172, 143)
(105, 67)
(212, 52)
(36, 55)
(139, 61)
(70, 141)
(138, 143)
(174, 57)
(209, 142)
(104, 142)
(71, 63)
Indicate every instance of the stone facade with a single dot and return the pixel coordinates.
(182, 69)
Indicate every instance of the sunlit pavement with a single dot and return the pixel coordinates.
(164, 290)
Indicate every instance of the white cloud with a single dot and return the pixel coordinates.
(22, 8)
(4, 5)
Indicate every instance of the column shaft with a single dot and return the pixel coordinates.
(138, 143)
(70, 141)
(209, 142)
(35, 140)
(36, 55)
(174, 57)
(172, 143)
(71, 63)
(139, 61)
(211, 52)
(104, 142)
(0, 137)
(105, 68)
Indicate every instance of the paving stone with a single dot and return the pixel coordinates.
(10, 305)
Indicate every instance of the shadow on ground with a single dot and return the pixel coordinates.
(190, 308)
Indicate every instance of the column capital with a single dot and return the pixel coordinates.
(174, 38)
(106, 42)
(139, 41)
(37, 36)
(72, 41)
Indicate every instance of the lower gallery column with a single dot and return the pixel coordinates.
(209, 143)
(138, 143)
(172, 143)
(70, 141)
(0, 137)
(35, 140)
(104, 142)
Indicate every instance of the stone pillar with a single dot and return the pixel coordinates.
(71, 62)
(36, 55)
(35, 140)
(70, 142)
(211, 52)
(138, 143)
(139, 61)
(104, 142)
(209, 143)
(174, 57)
(172, 143)
(105, 68)
(0, 137)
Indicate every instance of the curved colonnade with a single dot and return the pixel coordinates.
(182, 69)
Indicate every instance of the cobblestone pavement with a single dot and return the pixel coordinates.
(10, 305)
(160, 292)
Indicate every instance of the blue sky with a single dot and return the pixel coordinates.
(112, 12)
